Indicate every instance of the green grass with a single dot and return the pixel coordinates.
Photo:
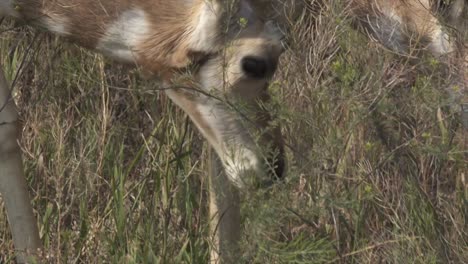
(377, 162)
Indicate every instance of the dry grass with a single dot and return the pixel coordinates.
(377, 162)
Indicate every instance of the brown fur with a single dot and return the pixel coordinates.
(416, 15)
(166, 46)
(420, 24)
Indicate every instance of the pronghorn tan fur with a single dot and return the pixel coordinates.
(391, 21)
(232, 61)
(405, 26)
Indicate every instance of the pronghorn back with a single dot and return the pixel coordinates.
(155, 34)
(406, 26)
(392, 22)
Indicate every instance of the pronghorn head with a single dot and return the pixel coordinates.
(240, 75)
(231, 112)
(246, 64)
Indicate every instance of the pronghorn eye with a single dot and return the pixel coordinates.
(254, 67)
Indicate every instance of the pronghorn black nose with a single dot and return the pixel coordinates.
(254, 67)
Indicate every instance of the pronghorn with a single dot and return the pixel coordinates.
(234, 53)
(405, 26)
(393, 23)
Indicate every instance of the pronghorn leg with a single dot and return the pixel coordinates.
(13, 187)
(225, 225)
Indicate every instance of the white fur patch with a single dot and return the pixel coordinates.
(440, 43)
(233, 148)
(124, 35)
(7, 8)
(239, 163)
(205, 33)
(390, 13)
(56, 24)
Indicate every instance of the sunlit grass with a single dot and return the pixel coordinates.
(376, 161)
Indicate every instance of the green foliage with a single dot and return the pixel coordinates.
(376, 164)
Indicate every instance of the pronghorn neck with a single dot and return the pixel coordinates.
(155, 34)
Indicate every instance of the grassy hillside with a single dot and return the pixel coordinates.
(377, 162)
